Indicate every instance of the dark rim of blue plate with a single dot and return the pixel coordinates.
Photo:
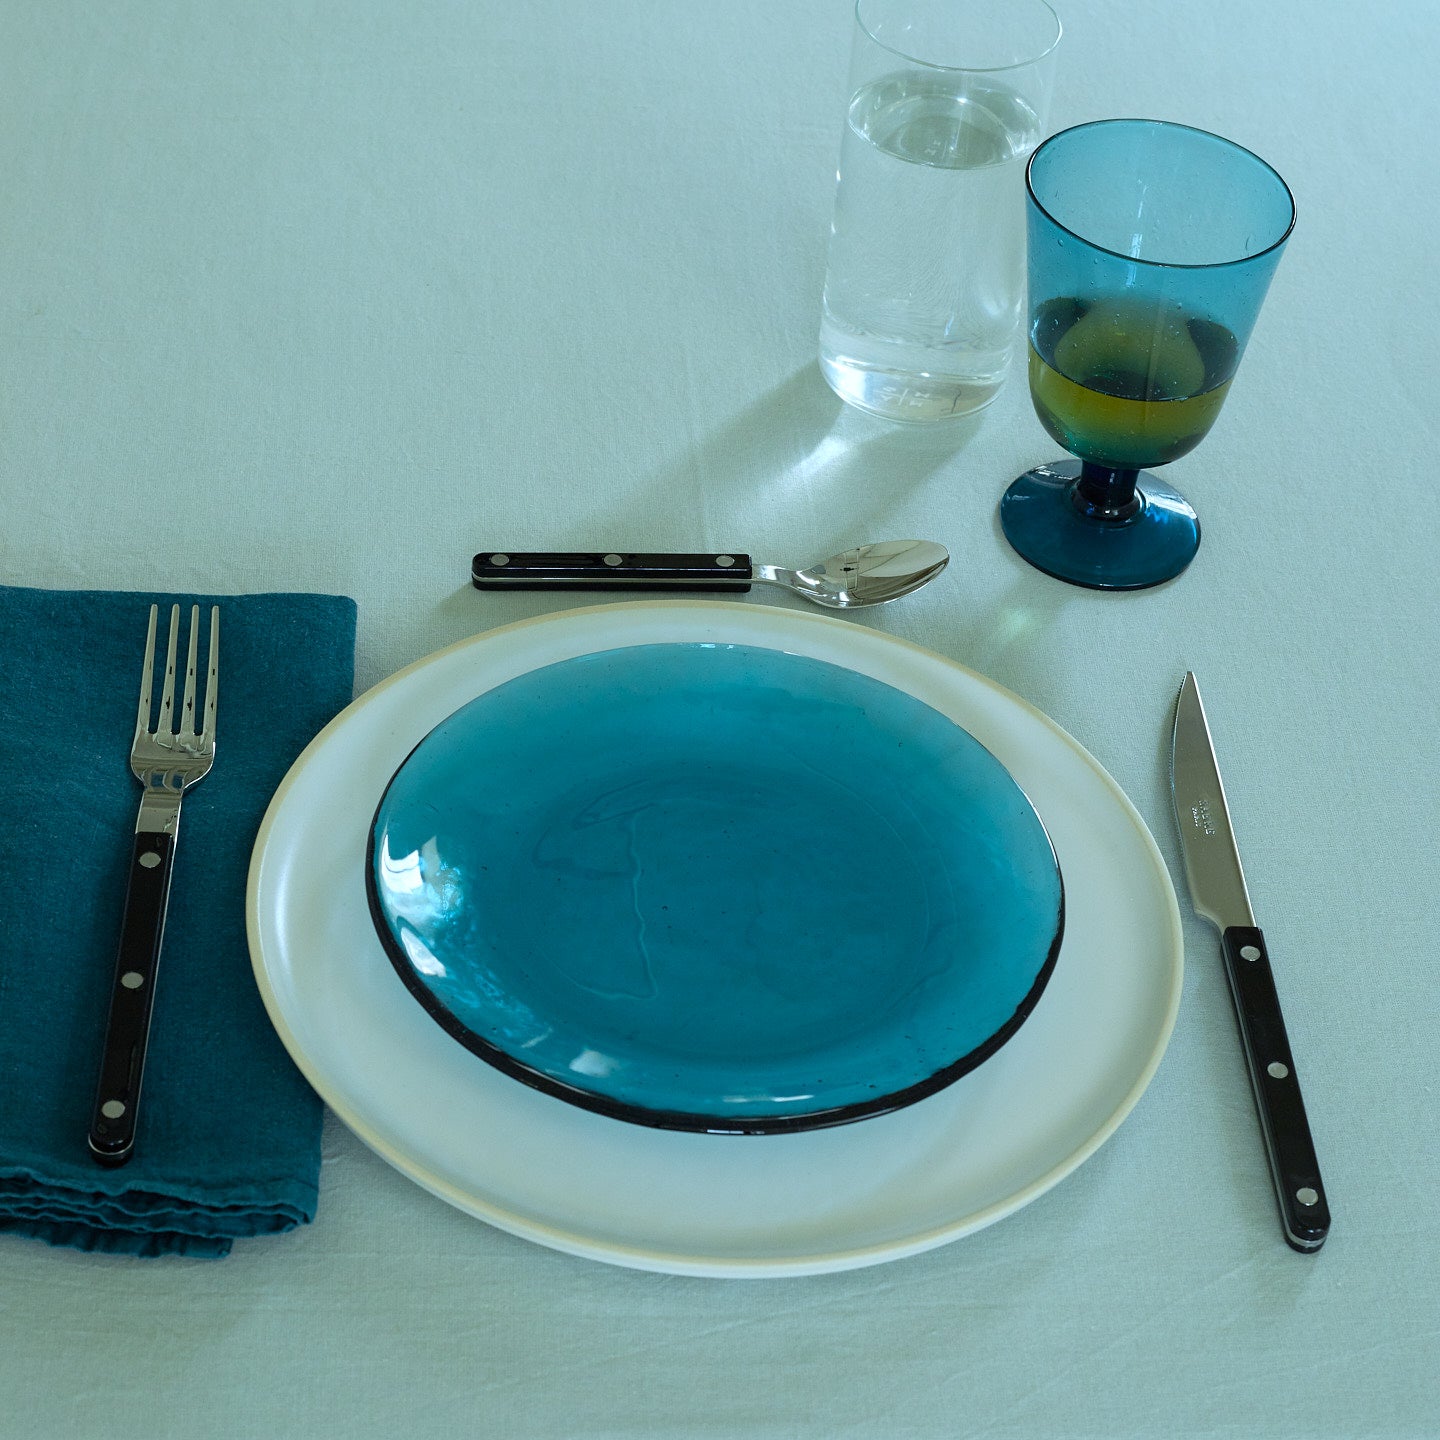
(698, 1122)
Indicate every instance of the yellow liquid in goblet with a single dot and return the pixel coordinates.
(1127, 383)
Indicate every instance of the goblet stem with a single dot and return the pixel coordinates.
(1106, 494)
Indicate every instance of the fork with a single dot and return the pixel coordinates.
(166, 761)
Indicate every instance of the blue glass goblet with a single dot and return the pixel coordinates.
(1151, 247)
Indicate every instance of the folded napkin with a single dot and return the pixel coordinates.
(229, 1132)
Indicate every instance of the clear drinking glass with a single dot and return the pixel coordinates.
(1151, 247)
(926, 266)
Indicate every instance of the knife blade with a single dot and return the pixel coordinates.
(1217, 888)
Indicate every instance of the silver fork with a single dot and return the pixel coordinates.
(166, 761)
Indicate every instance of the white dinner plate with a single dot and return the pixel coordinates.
(702, 1204)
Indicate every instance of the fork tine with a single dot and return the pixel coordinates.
(142, 720)
(167, 693)
(212, 676)
(187, 704)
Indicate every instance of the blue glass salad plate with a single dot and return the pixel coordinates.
(715, 887)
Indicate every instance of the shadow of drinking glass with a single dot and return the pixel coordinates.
(796, 466)
(793, 476)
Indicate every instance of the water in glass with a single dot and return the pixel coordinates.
(927, 250)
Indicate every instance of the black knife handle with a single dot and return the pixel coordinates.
(1304, 1213)
(609, 570)
(132, 996)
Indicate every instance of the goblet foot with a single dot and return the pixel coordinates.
(1054, 525)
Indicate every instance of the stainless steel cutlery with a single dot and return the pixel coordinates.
(865, 575)
(167, 760)
(1217, 887)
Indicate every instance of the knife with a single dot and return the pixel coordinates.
(1217, 887)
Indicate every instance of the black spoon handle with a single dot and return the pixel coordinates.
(609, 570)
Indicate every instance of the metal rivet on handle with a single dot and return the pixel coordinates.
(132, 979)
(1249, 952)
(1276, 1070)
(499, 559)
(1306, 1196)
(149, 859)
(113, 1109)
(726, 560)
(614, 559)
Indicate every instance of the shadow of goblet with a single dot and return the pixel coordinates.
(1016, 639)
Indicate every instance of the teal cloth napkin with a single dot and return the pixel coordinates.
(228, 1143)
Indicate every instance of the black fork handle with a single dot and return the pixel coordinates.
(132, 999)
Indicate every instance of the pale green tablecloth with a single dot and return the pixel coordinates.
(391, 284)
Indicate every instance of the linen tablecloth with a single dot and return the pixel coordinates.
(395, 284)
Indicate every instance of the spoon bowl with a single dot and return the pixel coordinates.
(865, 575)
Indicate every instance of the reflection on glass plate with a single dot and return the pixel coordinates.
(715, 887)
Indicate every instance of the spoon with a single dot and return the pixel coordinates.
(866, 575)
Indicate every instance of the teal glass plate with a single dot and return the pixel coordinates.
(715, 887)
